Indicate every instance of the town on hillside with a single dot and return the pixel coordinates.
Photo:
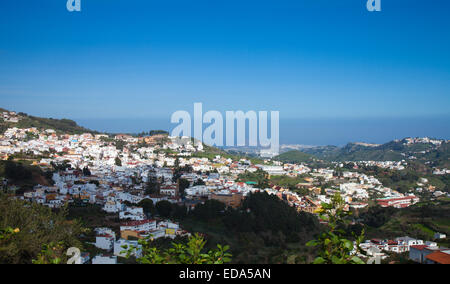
(121, 173)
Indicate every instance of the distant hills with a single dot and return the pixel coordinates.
(421, 149)
(431, 151)
(295, 156)
(356, 152)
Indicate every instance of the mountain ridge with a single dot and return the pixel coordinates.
(422, 149)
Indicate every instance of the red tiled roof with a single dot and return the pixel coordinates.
(419, 247)
(169, 187)
(137, 223)
(439, 257)
(104, 236)
(396, 199)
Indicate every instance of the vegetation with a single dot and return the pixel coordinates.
(333, 247)
(164, 208)
(23, 175)
(193, 252)
(295, 157)
(6, 235)
(259, 177)
(36, 226)
(147, 205)
(439, 157)
(52, 253)
(391, 151)
(211, 153)
(158, 132)
(419, 221)
(264, 229)
(287, 181)
(152, 186)
(406, 180)
(182, 185)
(59, 125)
(169, 210)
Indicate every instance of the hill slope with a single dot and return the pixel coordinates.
(396, 150)
(294, 156)
(28, 121)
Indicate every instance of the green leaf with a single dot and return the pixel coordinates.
(357, 260)
(337, 260)
(347, 244)
(319, 260)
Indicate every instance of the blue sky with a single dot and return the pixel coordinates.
(313, 59)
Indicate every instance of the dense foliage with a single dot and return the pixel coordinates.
(192, 252)
(23, 175)
(294, 157)
(391, 151)
(264, 229)
(421, 221)
(36, 226)
(333, 247)
(259, 177)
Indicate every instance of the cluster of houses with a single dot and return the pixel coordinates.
(10, 116)
(130, 233)
(423, 140)
(113, 172)
(441, 172)
(429, 254)
(419, 251)
(355, 188)
(392, 165)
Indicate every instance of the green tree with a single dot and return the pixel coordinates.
(333, 247)
(38, 226)
(164, 208)
(52, 253)
(210, 210)
(86, 171)
(118, 162)
(182, 185)
(152, 186)
(199, 182)
(191, 253)
(260, 177)
(147, 205)
(6, 235)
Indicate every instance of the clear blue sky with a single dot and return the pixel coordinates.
(311, 59)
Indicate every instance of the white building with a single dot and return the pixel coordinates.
(100, 259)
(104, 242)
(121, 246)
(139, 226)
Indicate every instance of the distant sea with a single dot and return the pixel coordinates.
(308, 131)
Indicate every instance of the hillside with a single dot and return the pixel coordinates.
(355, 152)
(420, 221)
(294, 156)
(23, 175)
(392, 151)
(433, 152)
(439, 157)
(28, 121)
(211, 152)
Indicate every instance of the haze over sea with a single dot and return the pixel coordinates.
(335, 72)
